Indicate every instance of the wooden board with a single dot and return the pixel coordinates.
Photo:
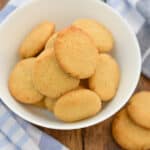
(2, 3)
(97, 137)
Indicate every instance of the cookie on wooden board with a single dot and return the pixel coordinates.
(20, 82)
(129, 135)
(139, 108)
(76, 53)
(35, 41)
(101, 36)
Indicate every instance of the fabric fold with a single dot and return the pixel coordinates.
(137, 14)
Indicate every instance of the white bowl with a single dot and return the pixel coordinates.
(63, 13)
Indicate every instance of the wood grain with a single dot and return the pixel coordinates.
(96, 137)
(2, 3)
(72, 139)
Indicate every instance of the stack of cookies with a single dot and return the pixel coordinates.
(131, 126)
(70, 71)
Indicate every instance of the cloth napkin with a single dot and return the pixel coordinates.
(16, 133)
(137, 14)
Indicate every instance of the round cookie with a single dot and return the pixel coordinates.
(105, 80)
(139, 108)
(77, 105)
(36, 39)
(20, 82)
(50, 42)
(50, 103)
(129, 135)
(76, 52)
(101, 36)
(49, 78)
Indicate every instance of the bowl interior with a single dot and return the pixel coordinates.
(63, 13)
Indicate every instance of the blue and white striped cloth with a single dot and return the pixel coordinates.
(137, 14)
(16, 133)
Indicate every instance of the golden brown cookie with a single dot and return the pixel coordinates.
(105, 80)
(36, 39)
(49, 78)
(51, 40)
(50, 103)
(129, 135)
(139, 108)
(101, 36)
(76, 52)
(20, 82)
(77, 105)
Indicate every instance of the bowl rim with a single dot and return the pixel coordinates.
(108, 115)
